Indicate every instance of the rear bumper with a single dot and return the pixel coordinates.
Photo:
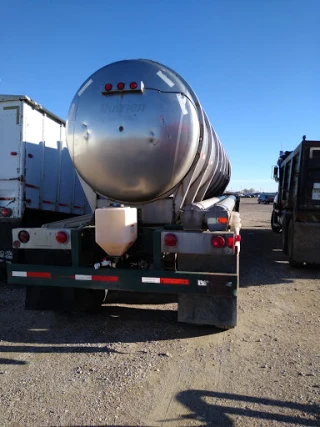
(159, 281)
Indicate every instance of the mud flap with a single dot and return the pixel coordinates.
(208, 310)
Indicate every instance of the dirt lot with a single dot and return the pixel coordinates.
(134, 365)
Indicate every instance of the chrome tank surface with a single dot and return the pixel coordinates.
(136, 146)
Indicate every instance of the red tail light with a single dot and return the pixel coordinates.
(120, 86)
(108, 87)
(231, 241)
(24, 236)
(133, 85)
(170, 239)
(238, 238)
(6, 212)
(218, 242)
(61, 237)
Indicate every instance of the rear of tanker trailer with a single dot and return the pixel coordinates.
(137, 134)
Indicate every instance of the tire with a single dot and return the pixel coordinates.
(276, 228)
(292, 262)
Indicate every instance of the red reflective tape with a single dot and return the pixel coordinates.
(77, 207)
(166, 281)
(39, 274)
(47, 202)
(32, 186)
(6, 198)
(63, 205)
(105, 278)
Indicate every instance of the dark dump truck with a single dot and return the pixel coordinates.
(296, 210)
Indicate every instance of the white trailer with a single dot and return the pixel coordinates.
(38, 182)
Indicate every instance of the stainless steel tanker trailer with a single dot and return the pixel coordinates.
(138, 136)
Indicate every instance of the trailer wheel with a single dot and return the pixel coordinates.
(292, 261)
(276, 228)
(88, 300)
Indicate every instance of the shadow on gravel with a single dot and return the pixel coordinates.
(214, 408)
(262, 261)
(12, 362)
(49, 332)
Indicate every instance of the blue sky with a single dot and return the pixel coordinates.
(254, 64)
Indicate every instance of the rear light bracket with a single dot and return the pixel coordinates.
(127, 89)
(41, 238)
(194, 242)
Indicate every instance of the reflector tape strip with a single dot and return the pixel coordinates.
(36, 274)
(35, 187)
(105, 278)
(82, 277)
(39, 274)
(19, 274)
(96, 278)
(150, 279)
(165, 280)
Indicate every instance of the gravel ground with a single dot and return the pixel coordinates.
(134, 365)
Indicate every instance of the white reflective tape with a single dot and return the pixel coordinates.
(150, 279)
(83, 277)
(165, 78)
(182, 101)
(19, 274)
(85, 87)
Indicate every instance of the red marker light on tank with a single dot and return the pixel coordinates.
(108, 87)
(121, 86)
(133, 85)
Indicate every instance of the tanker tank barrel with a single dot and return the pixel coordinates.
(137, 133)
